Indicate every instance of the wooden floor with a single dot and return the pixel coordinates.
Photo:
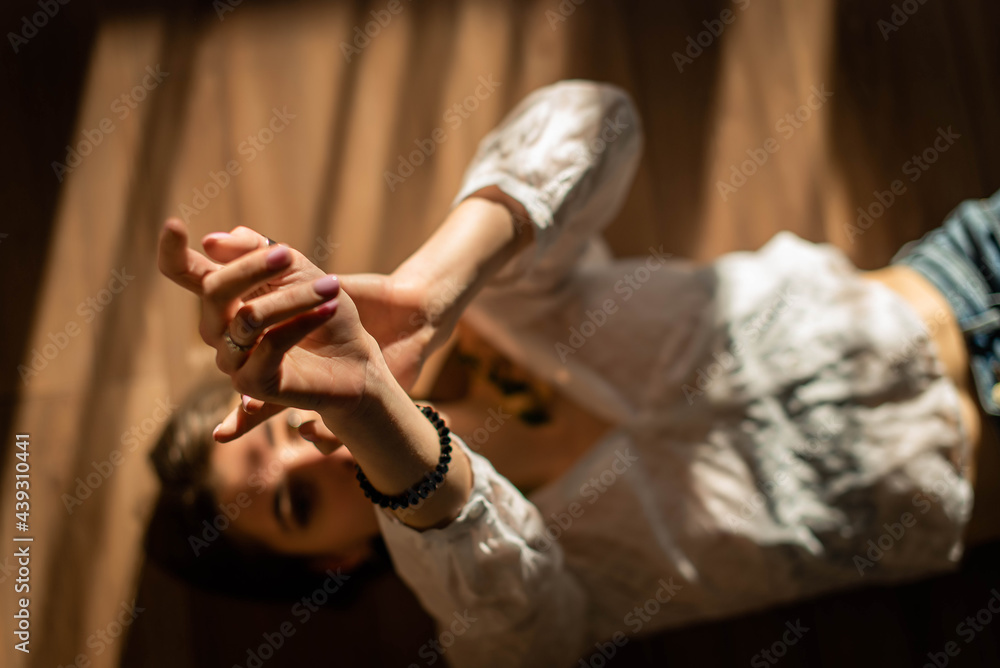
(879, 99)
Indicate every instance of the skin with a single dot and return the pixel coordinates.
(313, 353)
(265, 462)
(419, 291)
(294, 499)
(940, 322)
(342, 521)
(306, 346)
(407, 316)
(983, 467)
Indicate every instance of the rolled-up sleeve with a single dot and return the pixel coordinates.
(492, 579)
(568, 152)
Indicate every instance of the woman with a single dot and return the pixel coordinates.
(713, 439)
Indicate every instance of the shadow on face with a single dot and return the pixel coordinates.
(288, 497)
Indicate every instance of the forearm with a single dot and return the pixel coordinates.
(475, 241)
(396, 446)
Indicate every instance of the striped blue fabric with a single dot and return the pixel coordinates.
(962, 259)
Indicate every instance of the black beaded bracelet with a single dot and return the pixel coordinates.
(419, 491)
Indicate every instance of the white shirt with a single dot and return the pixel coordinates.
(775, 412)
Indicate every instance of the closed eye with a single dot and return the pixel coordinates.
(303, 496)
(281, 505)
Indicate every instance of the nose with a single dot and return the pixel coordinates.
(296, 445)
(297, 454)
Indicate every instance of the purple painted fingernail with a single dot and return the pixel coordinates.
(326, 286)
(278, 257)
(327, 308)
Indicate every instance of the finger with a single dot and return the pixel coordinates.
(257, 315)
(265, 361)
(179, 263)
(272, 308)
(250, 405)
(228, 246)
(238, 423)
(222, 290)
(364, 285)
(317, 433)
(243, 275)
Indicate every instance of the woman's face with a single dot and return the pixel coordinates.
(288, 496)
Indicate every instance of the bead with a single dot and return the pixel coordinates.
(432, 479)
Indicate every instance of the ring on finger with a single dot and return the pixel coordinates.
(233, 346)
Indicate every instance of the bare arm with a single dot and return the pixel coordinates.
(474, 242)
(307, 348)
(413, 311)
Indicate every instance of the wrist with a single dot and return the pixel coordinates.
(384, 421)
(396, 446)
(515, 215)
(480, 235)
(372, 391)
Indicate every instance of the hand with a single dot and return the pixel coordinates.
(407, 318)
(270, 299)
(412, 312)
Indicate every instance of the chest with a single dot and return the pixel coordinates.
(529, 453)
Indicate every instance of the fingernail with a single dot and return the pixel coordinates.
(245, 400)
(228, 425)
(326, 286)
(216, 236)
(278, 257)
(327, 308)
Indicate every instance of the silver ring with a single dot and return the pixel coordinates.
(271, 242)
(233, 346)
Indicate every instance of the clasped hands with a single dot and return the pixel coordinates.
(314, 341)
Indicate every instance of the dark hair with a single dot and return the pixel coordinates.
(187, 534)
